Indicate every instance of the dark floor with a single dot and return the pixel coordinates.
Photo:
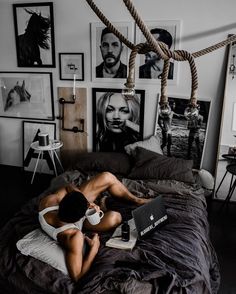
(16, 190)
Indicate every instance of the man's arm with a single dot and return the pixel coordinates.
(73, 242)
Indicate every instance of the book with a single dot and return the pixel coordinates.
(116, 242)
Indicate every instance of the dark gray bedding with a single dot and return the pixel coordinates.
(178, 258)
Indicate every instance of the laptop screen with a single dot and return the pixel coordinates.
(149, 216)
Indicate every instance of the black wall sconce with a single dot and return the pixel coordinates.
(75, 129)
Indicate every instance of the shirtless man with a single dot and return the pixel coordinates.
(62, 215)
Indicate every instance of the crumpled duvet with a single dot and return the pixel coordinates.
(177, 258)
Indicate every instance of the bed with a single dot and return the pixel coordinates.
(177, 258)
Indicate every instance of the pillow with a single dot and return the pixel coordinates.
(114, 162)
(150, 165)
(40, 246)
(152, 144)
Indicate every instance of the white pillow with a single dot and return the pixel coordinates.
(153, 144)
(40, 246)
(207, 179)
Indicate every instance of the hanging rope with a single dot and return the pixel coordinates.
(161, 49)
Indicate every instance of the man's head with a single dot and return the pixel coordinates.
(161, 35)
(165, 109)
(72, 207)
(111, 48)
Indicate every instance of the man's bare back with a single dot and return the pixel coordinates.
(72, 239)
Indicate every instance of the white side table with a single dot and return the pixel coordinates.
(51, 149)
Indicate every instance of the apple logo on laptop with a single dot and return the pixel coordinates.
(151, 217)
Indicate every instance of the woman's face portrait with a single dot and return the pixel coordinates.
(117, 112)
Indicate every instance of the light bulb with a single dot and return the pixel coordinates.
(128, 92)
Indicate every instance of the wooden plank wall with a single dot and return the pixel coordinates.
(73, 143)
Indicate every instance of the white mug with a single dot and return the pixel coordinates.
(93, 216)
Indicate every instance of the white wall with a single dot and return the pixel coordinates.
(203, 23)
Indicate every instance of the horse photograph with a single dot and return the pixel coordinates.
(26, 95)
(34, 35)
(17, 95)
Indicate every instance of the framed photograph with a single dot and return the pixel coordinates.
(110, 57)
(31, 129)
(117, 119)
(71, 66)
(149, 66)
(26, 95)
(34, 33)
(183, 130)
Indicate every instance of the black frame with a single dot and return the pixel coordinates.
(7, 82)
(70, 75)
(179, 130)
(17, 21)
(30, 152)
(140, 93)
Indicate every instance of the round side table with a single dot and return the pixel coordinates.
(51, 149)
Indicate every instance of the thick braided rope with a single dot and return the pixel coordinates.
(149, 37)
(109, 25)
(158, 47)
(164, 78)
(143, 47)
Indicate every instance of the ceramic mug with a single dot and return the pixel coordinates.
(94, 217)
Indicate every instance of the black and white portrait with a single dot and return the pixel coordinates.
(150, 65)
(34, 33)
(183, 128)
(117, 119)
(109, 55)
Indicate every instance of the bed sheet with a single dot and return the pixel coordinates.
(178, 258)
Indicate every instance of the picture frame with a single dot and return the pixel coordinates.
(26, 95)
(116, 122)
(127, 30)
(30, 133)
(180, 130)
(33, 20)
(71, 66)
(145, 71)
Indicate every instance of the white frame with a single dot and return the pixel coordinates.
(76, 71)
(173, 27)
(176, 132)
(96, 29)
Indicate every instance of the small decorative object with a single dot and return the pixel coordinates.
(26, 95)
(31, 131)
(119, 122)
(71, 67)
(43, 139)
(125, 231)
(34, 30)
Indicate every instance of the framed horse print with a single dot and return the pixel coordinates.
(26, 95)
(34, 34)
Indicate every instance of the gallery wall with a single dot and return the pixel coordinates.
(203, 23)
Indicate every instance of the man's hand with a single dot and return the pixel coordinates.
(96, 207)
(93, 242)
(132, 125)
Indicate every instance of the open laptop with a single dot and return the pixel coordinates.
(149, 216)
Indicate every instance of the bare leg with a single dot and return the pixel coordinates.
(108, 182)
